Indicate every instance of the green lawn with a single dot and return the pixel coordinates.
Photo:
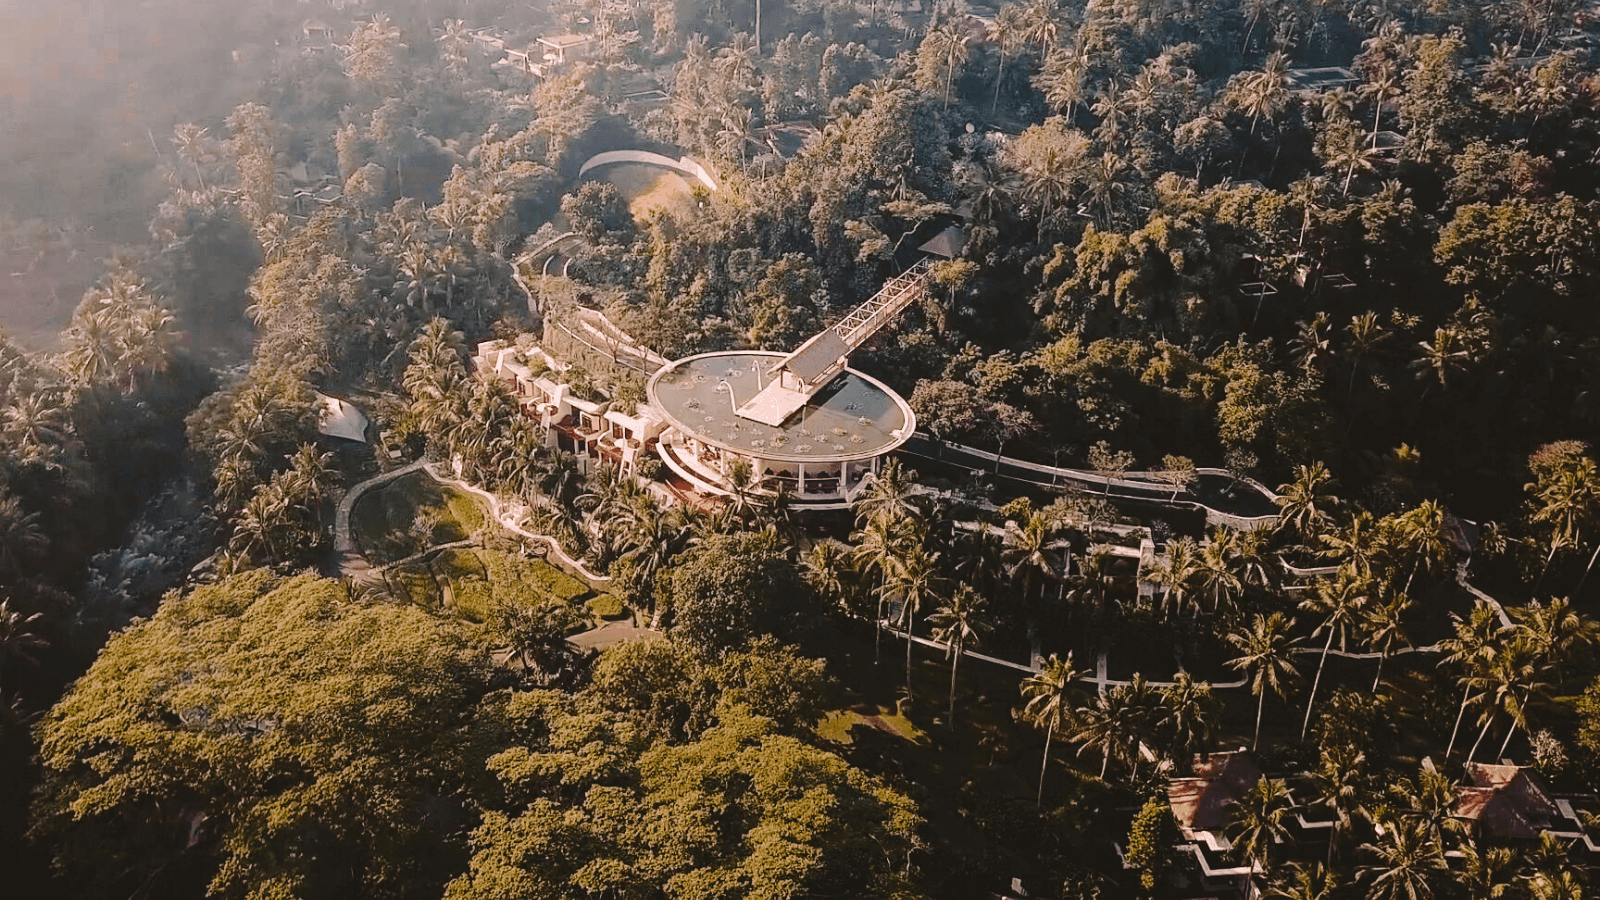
(383, 520)
(481, 581)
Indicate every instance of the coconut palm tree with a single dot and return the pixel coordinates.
(1489, 873)
(958, 624)
(1425, 532)
(1051, 699)
(1027, 554)
(1385, 631)
(1063, 80)
(892, 490)
(1556, 631)
(1112, 722)
(1356, 546)
(1262, 93)
(1340, 779)
(1443, 359)
(1266, 656)
(1567, 501)
(1178, 574)
(34, 425)
(1307, 502)
(1258, 821)
(22, 539)
(880, 545)
(917, 582)
(1305, 881)
(1383, 87)
(1428, 803)
(1478, 637)
(1188, 711)
(827, 568)
(1514, 680)
(1366, 337)
(1216, 578)
(1339, 606)
(1405, 864)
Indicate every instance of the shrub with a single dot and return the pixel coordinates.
(607, 606)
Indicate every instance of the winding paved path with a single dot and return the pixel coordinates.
(351, 562)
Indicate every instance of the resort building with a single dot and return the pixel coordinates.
(817, 446)
(803, 423)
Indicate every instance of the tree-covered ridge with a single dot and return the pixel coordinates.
(271, 736)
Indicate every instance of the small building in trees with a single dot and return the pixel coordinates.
(560, 49)
(1505, 802)
(1201, 804)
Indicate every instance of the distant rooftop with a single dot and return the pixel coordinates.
(1321, 79)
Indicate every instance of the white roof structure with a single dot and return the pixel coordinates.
(339, 419)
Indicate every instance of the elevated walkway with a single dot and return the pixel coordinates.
(796, 378)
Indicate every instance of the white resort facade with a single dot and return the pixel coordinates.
(820, 450)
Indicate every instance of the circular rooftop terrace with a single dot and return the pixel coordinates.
(852, 417)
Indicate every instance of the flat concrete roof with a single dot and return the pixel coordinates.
(852, 417)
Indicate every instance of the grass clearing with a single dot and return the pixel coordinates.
(481, 581)
(644, 186)
(386, 522)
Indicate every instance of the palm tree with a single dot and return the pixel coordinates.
(946, 48)
(17, 636)
(1425, 532)
(1187, 714)
(1259, 820)
(827, 568)
(1027, 553)
(1312, 881)
(1254, 558)
(34, 425)
(1215, 578)
(1566, 501)
(1356, 547)
(1366, 339)
(1063, 80)
(1266, 656)
(958, 624)
(1042, 20)
(1112, 723)
(1477, 639)
(1007, 34)
(1385, 631)
(1050, 702)
(1339, 605)
(1556, 631)
(1263, 93)
(892, 491)
(1406, 862)
(1339, 779)
(1490, 873)
(1383, 87)
(22, 538)
(190, 140)
(1442, 359)
(1514, 680)
(1178, 574)
(880, 545)
(1428, 803)
(1305, 503)
(916, 582)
